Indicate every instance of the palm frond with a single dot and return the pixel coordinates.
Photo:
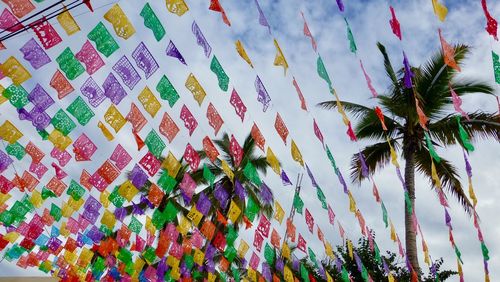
(376, 157)
(480, 126)
(387, 64)
(448, 175)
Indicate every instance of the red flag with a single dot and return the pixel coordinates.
(89, 5)
(491, 23)
(236, 151)
(380, 115)
(217, 7)
(396, 28)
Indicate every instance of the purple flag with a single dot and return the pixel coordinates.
(127, 72)
(408, 73)
(341, 5)
(5, 161)
(34, 54)
(113, 89)
(239, 190)
(93, 92)
(200, 39)
(262, 95)
(262, 17)
(40, 98)
(203, 204)
(266, 194)
(313, 181)
(172, 51)
(364, 167)
(284, 178)
(145, 60)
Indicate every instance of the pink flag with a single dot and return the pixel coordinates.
(368, 81)
(307, 33)
(317, 132)
(236, 151)
(191, 157)
(189, 121)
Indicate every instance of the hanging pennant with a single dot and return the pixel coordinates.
(90, 58)
(281, 128)
(496, 69)
(167, 91)
(243, 54)
(262, 17)
(464, 136)
(350, 37)
(448, 53)
(47, 35)
(93, 92)
(105, 43)
(273, 161)
(34, 54)
(280, 59)
(113, 89)
(368, 80)
(136, 118)
(491, 23)
(152, 22)
(222, 77)
(236, 151)
(301, 97)
(214, 119)
(422, 118)
(195, 88)
(121, 24)
(262, 95)
(409, 75)
(216, 6)
(144, 60)
(257, 137)
(395, 26)
(440, 10)
(172, 51)
(322, 71)
(13, 69)
(210, 150)
(200, 39)
(238, 105)
(178, 7)
(191, 157)
(127, 72)
(457, 103)
(307, 33)
(380, 115)
(9, 22)
(189, 121)
(309, 221)
(296, 155)
(114, 118)
(149, 101)
(60, 84)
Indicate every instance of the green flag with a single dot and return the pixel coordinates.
(464, 136)
(322, 72)
(496, 66)
(430, 146)
(298, 204)
(222, 77)
(350, 37)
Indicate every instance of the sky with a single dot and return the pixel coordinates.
(369, 23)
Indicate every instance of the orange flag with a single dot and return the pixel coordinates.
(448, 53)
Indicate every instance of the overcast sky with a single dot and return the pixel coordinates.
(369, 23)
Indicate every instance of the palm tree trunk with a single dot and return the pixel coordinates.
(410, 235)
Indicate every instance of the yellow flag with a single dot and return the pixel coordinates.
(149, 101)
(172, 261)
(390, 277)
(5, 197)
(105, 131)
(121, 24)
(296, 155)
(175, 273)
(243, 248)
(328, 277)
(352, 203)
(280, 60)
(459, 268)
(177, 7)
(2, 98)
(234, 212)
(279, 213)
(70, 257)
(13, 69)
(11, 237)
(63, 230)
(472, 195)
(227, 170)
(68, 23)
(350, 249)
(211, 277)
(75, 205)
(440, 10)
(287, 274)
(108, 219)
(149, 225)
(393, 233)
(394, 156)
(194, 215)
(171, 164)
(252, 275)
(199, 257)
(184, 225)
(66, 210)
(434, 175)
(194, 87)
(273, 161)
(285, 251)
(329, 250)
(59, 140)
(9, 132)
(243, 53)
(104, 198)
(340, 108)
(128, 190)
(114, 118)
(138, 265)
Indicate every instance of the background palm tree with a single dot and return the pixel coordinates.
(431, 87)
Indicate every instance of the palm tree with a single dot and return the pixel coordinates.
(431, 87)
